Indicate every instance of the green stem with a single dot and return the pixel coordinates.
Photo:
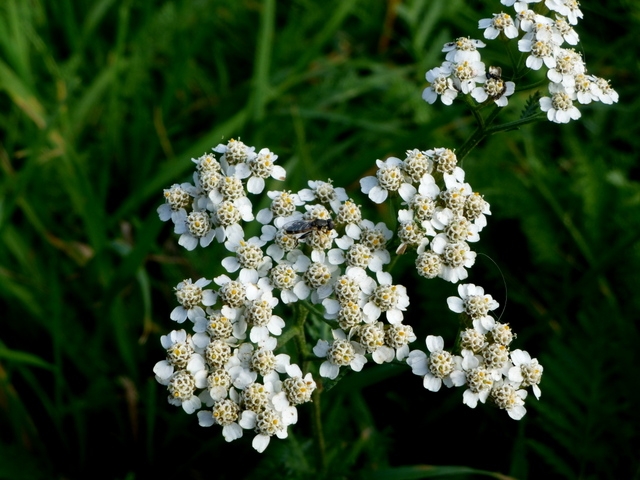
(484, 130)
(515, 62)
(301, 341)
(475, 111)
(287, 335)
(318, 433)
(477, 136)
(394, 260)
(532, 86)
(515, 124)
(303, 353)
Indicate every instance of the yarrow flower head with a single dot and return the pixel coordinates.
(389, 178)
(192, 297)
(543, 39)
(494, 88)
(440, 85)
(315, 252)
(485, 366)
(560, 107)
(341, 352)
(438, 368)
(500, 23)
(464, 48)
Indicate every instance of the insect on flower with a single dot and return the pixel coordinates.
(305, 228)
(495, 73)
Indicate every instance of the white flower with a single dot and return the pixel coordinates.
(508, 397)
(228, 215)
(259, 314)
(437, 368)
(526, 371)
(354, 286)
(478, 379)
(339, 353)
(194, 228)
(226, 414)
(501, 22)
(319, 276)
(559, 106)
(476, 208)
(389, 178)
(182, 386)
(466, 74)
(495, 88)
(388, 298)
(262, 166)
(235, 293)
(472, 301)
(456, 256)
(267, 423)
(239, 366)
(285, 277)
(176, 198)
(542, 52)
(324, 192)
(463, 48)
(568, 64)
(567, 8)
(585, 88)
(251, 261)
(283, 204)
(543, 29)
(603, 90)
(234, 153)
(180, 355)
(358, 255)
(525, 19)
(399, 337)
(225, 323)
(440, 84)
(298, 389)
(518, 5)
(191, 296)
(367, 228)
(563, 27)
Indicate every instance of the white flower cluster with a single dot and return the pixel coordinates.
(228, 362)
(216, 203)
(485, 365)
(315, 247)
(543, 40)
(439, 221)
(215, 367)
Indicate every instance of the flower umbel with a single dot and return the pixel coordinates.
(310, 271)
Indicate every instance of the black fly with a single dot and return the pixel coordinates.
(304, 228)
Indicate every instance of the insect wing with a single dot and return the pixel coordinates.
(297, 226)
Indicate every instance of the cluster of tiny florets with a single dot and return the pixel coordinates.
(216, 204)
(442, 215)
(544, 40)
(316, 246)
(486, 365)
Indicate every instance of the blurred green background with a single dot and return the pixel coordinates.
(104, 102)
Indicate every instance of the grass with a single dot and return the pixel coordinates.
(103, 104)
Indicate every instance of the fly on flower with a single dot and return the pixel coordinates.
(495, 73)
(304, 228)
